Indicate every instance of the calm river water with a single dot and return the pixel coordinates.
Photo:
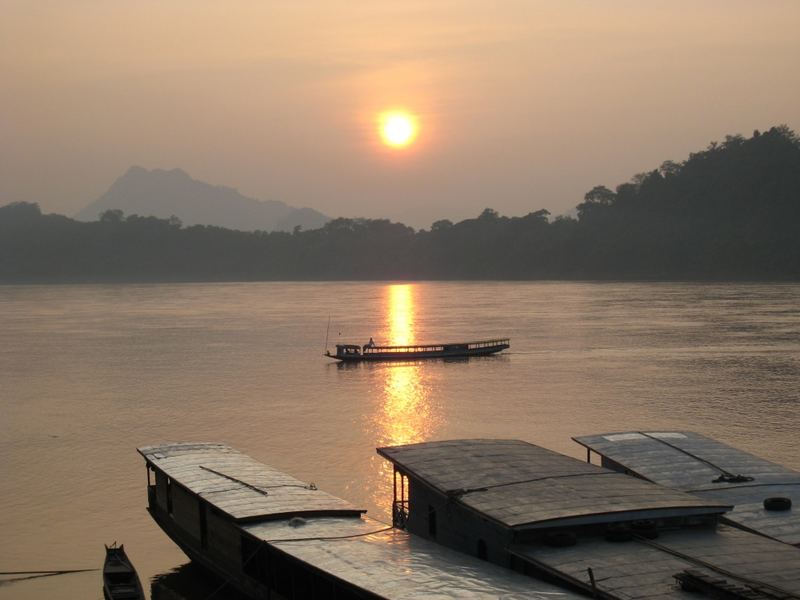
(90, 372)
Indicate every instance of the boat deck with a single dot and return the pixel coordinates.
(691, 462)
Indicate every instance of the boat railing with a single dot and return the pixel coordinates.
(436, 347)
(400, 513)
(489, 343)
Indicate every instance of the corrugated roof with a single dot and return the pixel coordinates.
(691, 462)
(646, 569)
(520, 484)
(239, 486)
(395, 564)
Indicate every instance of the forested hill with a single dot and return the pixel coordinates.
(730, 211)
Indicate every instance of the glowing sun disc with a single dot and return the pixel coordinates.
(398, 129)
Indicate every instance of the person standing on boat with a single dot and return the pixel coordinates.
(369, 344)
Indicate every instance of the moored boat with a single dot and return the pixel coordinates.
(270, 535)
(120, 581)
(761, 491)
(372, 352)
(610, 535)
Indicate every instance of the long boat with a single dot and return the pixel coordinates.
(371, 352)
(271, 536)
(613, 536)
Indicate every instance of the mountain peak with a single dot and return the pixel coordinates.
(164, 193)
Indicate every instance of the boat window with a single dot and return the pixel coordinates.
(203, 524)
(254, 559)
(169, 496)
(282, 575)
(482, 551)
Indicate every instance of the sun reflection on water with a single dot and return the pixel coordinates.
(405, 414)
(400, 314)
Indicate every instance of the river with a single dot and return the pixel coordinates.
(90, 372)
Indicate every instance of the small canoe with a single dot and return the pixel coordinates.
(371, 352)
(120, 581)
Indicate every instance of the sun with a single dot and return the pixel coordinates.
(398, 129)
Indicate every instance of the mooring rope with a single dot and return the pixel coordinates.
(260, 490)
(252, 556)
(457, 493)
(47, 572)
(329, 537)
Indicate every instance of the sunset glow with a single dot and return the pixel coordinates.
(398, 129)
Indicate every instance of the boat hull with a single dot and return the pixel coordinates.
(195, 553)
(120, 580)
(393, 356)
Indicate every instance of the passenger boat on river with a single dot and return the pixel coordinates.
(372, 352)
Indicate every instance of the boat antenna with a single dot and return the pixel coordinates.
(327, 332)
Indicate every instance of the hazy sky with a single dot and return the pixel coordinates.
(521, 104)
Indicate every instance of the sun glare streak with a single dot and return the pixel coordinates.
(400, 315)
(406, 414)
(398, 129)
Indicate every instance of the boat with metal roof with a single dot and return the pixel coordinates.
(592, 528)
(371, 352)
(765, 495)
(273, 536)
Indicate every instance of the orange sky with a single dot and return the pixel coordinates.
(521, 104)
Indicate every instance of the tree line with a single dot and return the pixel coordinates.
(730, 211)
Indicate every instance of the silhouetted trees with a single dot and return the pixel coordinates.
(728, 212)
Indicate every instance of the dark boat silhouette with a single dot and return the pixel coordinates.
(372, 352)
(120, 581)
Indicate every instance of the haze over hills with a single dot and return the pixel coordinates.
(161, 193)
(728, 212)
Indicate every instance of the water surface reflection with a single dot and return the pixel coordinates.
(190, 581)
(403, 412)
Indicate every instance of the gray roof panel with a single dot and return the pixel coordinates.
(690, 462)
(645, 569)
(519, 484)
(239, 486)
(395, 564)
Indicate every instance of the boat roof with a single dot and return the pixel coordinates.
(521, 485)
(239, 486)
(394, 564)
(641, 568)
(691, 462)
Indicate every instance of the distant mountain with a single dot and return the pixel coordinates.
(729, 212)
(161, 193)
